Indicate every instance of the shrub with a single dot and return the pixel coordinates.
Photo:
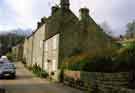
(129, 44)
(44, 74)
(36, 69)
(126, 58)
(10, 56)
(108, 61)
(95, 64)
(99, 64)
(78, 65)
(75, 51)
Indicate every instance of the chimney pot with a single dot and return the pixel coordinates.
(39, 24)
(54, 9)
(65, 4)
(84, 13)
(43, 20)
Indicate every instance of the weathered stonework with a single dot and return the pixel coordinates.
(70, 34)
(99, 82)
(17, 52)
(39, 36)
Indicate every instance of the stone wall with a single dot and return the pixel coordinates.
(39, 36)
(94, 81)
(18, 52)
(25, 50)
(51, 50)
(30, 51)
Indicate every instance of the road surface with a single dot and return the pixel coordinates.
(26, 82)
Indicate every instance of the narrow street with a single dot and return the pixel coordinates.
(26, 82)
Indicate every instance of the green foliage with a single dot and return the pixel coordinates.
(44, 74)
(39, 72)
(79, 65)
(75, 51)
(8, 41)
(95, 64)
(10, 56)
(99, 64)
(126, 58)
(61, 76)
(117, 45)
(130, 29)
(130, 45)
(121, 61)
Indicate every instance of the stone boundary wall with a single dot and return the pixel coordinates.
(105, 82)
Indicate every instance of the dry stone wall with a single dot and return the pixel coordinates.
(96, 81)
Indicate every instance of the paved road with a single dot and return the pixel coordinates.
(26, 82)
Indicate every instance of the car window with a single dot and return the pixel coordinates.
(6, 65)
(1, 65)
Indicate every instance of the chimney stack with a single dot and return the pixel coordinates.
(54, 9)
(39, 24)
(84, 13)
(43, 20)
(65, 4)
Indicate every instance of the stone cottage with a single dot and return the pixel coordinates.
(60, 35)
(28, 50)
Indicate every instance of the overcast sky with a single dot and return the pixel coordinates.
(25, 13)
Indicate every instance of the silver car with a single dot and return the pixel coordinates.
(7, 69)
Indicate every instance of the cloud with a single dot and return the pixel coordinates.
(6, 16)
(117, 13)
(21, 7)
(26, 13)
(23, 11)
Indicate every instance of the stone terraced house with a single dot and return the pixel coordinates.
(17, 52)
(59, 35)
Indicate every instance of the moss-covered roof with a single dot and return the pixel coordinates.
(92, 35)
(59, 20)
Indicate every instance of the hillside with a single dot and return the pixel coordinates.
(18, 31)
(11, 38)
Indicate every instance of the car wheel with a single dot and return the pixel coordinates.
(13, 76)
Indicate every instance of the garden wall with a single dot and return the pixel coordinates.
(104, 82)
